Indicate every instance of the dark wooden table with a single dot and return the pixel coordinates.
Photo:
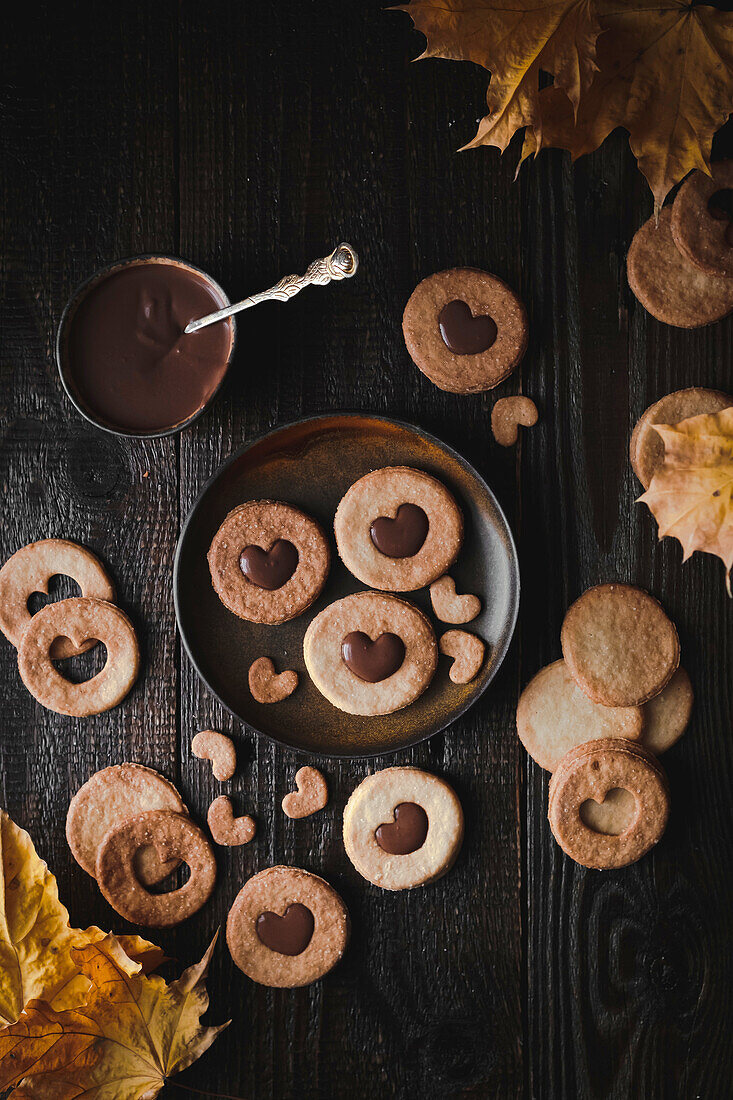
(248, 138)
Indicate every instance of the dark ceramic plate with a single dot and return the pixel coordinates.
(311, 464)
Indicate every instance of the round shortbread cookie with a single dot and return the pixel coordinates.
(666, 715)
(646, 448)
(398, 529)
(403, 827)
(111, 796)
(702, 220)
(31, 568)
(268, 561)
(668, 286)
(465, 329)
(287, 927)
(370, 653)
(554, 715)
(619, 645)
(592, 771)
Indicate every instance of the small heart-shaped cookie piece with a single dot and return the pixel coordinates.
(468, 654)
(225, 828)
(269, 569)
(268, 686)
(373, 661)
(506, 416)
(449, 607)
(214, 746)
(402, 536)
(613, 815)
(310, 797)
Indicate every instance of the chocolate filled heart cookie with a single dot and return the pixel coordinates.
(398, 529)
(370, 653)
(287, 927)
(465, 329)
(403, 827)
(268, 561)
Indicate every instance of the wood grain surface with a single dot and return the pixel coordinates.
(249, 139)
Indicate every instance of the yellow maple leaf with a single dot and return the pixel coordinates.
(514, 41)
(134, 1032)
(665, 73)
(35, 937)
(691, 494)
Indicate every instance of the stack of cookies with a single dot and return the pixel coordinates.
(598, 719)
(397, 530)
(67, 628)
(681, 268)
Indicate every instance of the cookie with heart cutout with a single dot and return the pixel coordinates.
(619, 645)
(398, 529)
(668, 286)
(370, 653)
(589, 773)
(109, 797)
(268, 561)
(403, 827)
(465, 329)
(174, 837)
(554, 715)
(287, 928)
(646, 449)
(79, 619)
(31, 568)
(702, 220)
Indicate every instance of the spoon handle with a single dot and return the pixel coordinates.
(342, 263)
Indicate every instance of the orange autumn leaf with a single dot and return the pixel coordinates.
(132, 1034)
(662, 69)
(514, 42)
(36, 937)
(691, 494)
(665, 73)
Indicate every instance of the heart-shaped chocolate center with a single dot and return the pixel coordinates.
(289, 934)
(271, 568)
(406, 833)
(720, 208)
(372, 661)
(613, 815)
(402, 536)
(464, 334)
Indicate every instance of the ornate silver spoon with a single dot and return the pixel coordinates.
(341, 264)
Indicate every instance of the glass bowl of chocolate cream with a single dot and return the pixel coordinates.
(122, 353)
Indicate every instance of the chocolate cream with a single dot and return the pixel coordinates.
(126, 355)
